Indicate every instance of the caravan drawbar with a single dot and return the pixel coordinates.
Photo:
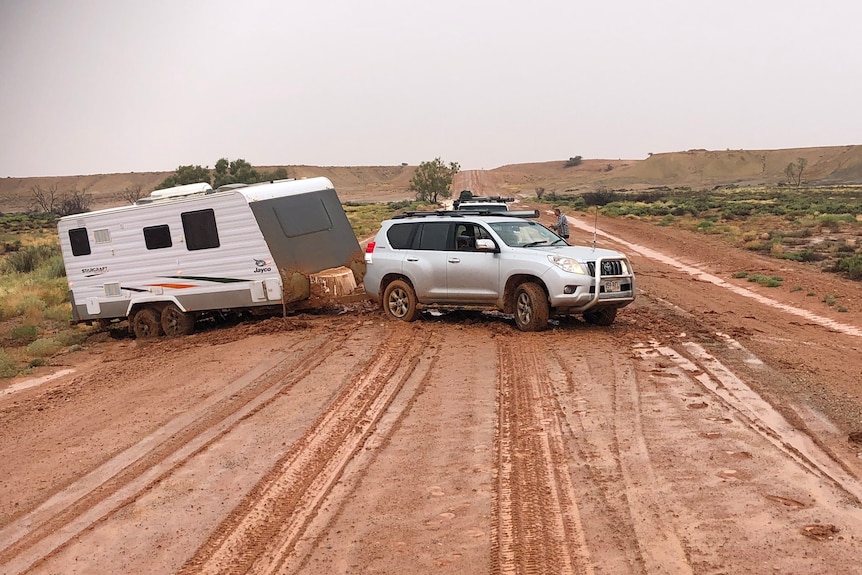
(185, 252)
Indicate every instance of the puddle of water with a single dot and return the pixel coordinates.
(28, 383)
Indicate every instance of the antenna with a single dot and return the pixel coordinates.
(595, 226)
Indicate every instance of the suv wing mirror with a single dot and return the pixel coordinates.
(486, 245)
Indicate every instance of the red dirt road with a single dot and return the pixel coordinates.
(712, 429)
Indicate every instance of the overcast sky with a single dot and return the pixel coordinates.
(118, 86)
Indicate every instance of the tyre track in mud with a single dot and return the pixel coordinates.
(88, 501)
(757, 414)
(599, 395)
(535, 523)
(574, 484)
(271, 528)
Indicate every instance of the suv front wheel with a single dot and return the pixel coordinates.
(531, 307)
(399, 301)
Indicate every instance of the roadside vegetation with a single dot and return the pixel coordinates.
(34, 302)
(818, 225)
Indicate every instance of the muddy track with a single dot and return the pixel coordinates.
(535, 524)
(261, 534)
(88, 501)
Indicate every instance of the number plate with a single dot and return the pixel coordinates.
(612, 286)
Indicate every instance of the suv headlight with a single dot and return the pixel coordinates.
(567, 264)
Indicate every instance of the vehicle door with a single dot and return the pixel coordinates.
(425, 262)
(472, 276)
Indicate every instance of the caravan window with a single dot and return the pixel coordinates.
(80, 242)
(157, 237)
(200, 230)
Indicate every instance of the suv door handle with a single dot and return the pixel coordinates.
(412, 259)
(454, 260)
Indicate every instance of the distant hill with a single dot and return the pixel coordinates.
(696, 169)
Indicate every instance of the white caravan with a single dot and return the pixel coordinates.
(189, 251)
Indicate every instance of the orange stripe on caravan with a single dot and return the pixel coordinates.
(174, 286)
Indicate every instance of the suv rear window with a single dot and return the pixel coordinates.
(419, 236)
(399, 235)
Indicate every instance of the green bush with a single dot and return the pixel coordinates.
(766, 281)
(44, 347)
(24, 332)
(71, 337)
(8, 366)
(29, 302)
(852, 266)
(29, 259)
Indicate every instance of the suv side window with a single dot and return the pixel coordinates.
(433, 236)
(399, 235)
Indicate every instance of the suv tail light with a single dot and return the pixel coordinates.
(369, 250)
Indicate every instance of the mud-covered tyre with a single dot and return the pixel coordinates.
(399, 301)
(604, 316)
(531, 307)
(146, 323)
(176, 322)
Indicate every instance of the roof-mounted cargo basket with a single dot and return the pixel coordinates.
(470, 212)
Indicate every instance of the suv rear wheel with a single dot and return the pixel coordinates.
(531, 307)
(399, 301)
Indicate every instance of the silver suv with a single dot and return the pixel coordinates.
(467, 260)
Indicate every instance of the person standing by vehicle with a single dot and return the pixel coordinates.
(562, 225)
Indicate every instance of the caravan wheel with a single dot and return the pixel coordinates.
(145, 323)
(177, 322)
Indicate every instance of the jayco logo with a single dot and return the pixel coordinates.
(261, 266)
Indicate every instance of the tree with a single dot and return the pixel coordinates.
(132, 193)
(50, 201)
(433, 179)
(74, 202)
(226, 172)
(186, 175)
(574, 161)
(794, 171)
(46, 199)
(236, 172)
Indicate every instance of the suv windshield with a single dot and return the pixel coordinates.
(521, 234)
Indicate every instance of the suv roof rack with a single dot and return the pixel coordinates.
(470, 212)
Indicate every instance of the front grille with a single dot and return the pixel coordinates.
(609, 268)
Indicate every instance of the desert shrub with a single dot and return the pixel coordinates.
(740, 274)
(706, 226)
(44, 347)
(601, 197)
(573, 162)
(829, 222)
(806, 255)
(829, 299)
(28, 332)
(28, 259)
(59, 313)
(8, 366)
(28, 304)
(852, 266)
(766, 281)
(71, 337)
(36, 362)
(54, 267)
